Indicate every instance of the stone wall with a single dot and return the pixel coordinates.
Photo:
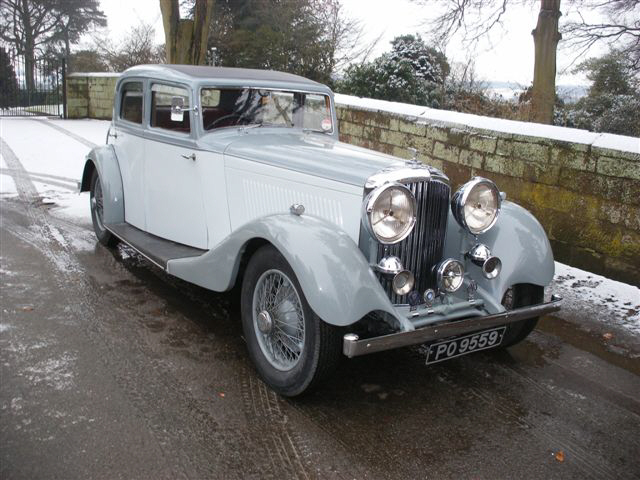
(583, 187)
(90, 95)
(586, 195)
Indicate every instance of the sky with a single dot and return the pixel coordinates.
(506, 56)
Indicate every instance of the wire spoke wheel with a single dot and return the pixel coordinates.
(278, 319)
(97, 204)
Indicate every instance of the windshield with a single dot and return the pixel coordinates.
(277, 108)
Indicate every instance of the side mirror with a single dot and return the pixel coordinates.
(177, 109)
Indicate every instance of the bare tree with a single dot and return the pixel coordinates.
(344, 36)
(545, 38)
(138, 48)
(620, 26)
(186, 39)
(476, 18)
(77, 16)
(39, 27)
(28, 25)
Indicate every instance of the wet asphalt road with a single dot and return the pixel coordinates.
(112, 369)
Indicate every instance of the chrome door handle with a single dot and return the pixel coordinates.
(190, 157)
(109, 134)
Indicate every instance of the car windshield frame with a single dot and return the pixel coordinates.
(255, 92)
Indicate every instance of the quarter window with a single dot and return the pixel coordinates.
(131, 104)
(161, 96)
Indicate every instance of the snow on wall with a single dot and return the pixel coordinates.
(463, 120)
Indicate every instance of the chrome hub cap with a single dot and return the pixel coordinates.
(265, 324)
(278, 320)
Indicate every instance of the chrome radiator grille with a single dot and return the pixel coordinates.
(423, 248)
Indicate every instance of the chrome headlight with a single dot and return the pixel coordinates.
(476, 205)
(390, 213)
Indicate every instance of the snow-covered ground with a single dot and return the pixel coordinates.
(598, 297)
(54, 161)
(7, 186)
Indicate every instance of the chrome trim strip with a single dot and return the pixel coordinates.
(395, 174)
(353, 347)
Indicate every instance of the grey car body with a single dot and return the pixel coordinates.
(337, 266)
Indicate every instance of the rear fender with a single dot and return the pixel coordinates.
(104, 160)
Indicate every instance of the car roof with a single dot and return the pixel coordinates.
(225, 76)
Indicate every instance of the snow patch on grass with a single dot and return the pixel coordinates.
(90, 129)
(74, 206)
(600, 297)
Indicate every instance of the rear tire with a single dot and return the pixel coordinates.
(96, 202)
(292, 349)
(521, 295)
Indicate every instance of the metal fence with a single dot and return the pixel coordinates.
(31, 87)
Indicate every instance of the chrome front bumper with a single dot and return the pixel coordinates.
(352, 346)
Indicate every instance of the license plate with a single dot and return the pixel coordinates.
(463, 345)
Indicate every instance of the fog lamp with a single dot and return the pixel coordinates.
(403, 282)
(492, 267)
(481, 256)
(390, 265)
(449, 275)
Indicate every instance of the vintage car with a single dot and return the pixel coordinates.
(237, 178)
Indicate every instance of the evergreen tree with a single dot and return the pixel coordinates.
(613, 102)
(8, 80)
(411, 73)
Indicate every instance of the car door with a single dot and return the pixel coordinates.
(173, 199)
(127, 137)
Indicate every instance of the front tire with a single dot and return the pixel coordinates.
(290, 346)
(521, 295)
(96, 202)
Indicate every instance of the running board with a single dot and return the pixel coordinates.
(157, 250)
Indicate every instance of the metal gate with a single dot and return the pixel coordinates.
(31, 88)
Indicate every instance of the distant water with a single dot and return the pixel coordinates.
(511, 91)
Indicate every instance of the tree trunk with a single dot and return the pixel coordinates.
(545, 38)
(67, 49)
(29, 51)
(186, 40)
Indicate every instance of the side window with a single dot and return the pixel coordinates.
(161, 108)
(131, 102)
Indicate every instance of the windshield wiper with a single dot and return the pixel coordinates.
(307, 130)
(249, 126)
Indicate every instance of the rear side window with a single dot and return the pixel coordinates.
(161, 107)
(131, 104)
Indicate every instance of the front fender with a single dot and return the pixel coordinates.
(518, 240)
(334, 275)
(103, 158)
